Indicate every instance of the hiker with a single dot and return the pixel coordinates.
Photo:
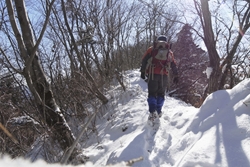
(156, 64)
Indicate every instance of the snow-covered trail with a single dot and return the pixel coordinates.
(171, 143)
(186, 137)
(139, 140)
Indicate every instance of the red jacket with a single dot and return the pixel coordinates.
(157, 67)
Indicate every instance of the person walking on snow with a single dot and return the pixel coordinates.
(156, 63)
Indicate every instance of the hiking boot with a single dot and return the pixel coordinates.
(152, 116)
(160, 114)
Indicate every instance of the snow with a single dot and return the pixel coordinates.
(215, 135)
(209, 70)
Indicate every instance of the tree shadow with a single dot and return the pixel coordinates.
(228, 134)
(141, 146)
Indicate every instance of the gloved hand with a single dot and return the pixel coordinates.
(143, 75)
(176, 80)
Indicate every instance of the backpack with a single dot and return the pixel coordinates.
(160, 60)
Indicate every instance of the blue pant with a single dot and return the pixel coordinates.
(155, 103)
(156, 92)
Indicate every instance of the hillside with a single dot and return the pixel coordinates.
(216, 134)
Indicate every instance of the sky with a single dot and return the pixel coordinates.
(215, 135)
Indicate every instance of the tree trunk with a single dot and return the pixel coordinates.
(218, 77)
(35, 77)
(210, 43)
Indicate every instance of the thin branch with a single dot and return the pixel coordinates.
(131, 162)
(8, 134)
(15, 29)
(69, 152)
(33, 52)
(12, 67)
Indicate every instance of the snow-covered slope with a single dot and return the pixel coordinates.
(217, 134)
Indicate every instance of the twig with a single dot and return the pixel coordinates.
(132, 161)
(69, 152)
(8, 134)
(246, 102)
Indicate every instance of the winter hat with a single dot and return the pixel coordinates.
(162, 38)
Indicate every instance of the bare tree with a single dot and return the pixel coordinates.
(214, 33)
(210, 43)
(33, 72)
(75, 33)
(235, 43)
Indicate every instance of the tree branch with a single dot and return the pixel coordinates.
(33, 52)
(15, 29)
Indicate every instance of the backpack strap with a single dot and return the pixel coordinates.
(160, 56)
(150, 68)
